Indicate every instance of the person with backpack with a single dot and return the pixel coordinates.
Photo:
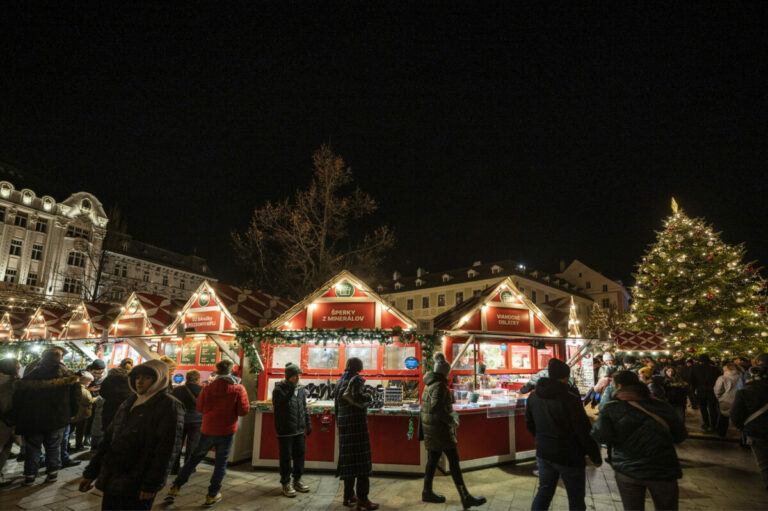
(749, 413)
(641, 432)
(555, 417)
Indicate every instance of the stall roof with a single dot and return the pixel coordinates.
(640, 341)
(97, 315)
(158, 311)
(456, 318)
(361, 286)
(51, 319)
(13, 323)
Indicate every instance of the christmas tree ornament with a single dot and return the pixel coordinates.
(669, 299)
(682, 325)
(718, 330)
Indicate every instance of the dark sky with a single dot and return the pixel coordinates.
(486, 131)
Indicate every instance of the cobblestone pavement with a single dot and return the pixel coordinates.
(717, 475)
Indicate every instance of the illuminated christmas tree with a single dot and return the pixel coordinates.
(698, 291)
(598, 320)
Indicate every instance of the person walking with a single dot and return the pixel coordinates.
(354, 466)
(703, 378)
(749, 413)
(437, 427)
(98, 368)
(133, 460)
(555, 417)
(221, 403)
(725, 389)
(44, 401)
(9, 374)
(676, 390)
(115, 389)
(640, 432)
(188, 394)
(292, 424)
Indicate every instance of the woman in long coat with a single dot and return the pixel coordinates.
(438, 426)
(352, 402)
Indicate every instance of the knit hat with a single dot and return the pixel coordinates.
(97, 364)
(607, 356)
(441, 365)
(291, 370)
(645, 372)
(558, 369)
(629, 359)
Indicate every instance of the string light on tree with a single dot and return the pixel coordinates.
(698, 290)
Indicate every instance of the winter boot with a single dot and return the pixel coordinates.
(467, 500)
(430, 496)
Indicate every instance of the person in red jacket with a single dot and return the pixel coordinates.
(221, 403)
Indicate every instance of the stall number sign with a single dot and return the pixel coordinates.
(411, 363)
(344, 290)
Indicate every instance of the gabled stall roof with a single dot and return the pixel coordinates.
(145, 314)
(12, 325)
(468, 314)
(360, 291)
(89, 320)
(640, 341)
(243, 308)
(46, 320)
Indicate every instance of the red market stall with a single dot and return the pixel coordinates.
(136, 331)
(87, 323)
(46, 323)
(344, 318)
(496, 342)
(12, 326)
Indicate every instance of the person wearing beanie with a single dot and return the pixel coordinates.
(292, 425)
(555, 417)
(437, 427)
(132, 462)
(222, 403)
(703, 379)
(98, 369)
(628, 363)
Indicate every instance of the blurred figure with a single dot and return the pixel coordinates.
(188, 394)
(749, 413)
(115, 389)
(703, 378)
(726, 387)
(676, 391)
(9, 374)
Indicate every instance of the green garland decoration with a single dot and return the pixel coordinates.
(252, 339)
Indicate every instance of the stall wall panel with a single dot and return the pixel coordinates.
(389, 443)
(389, 320)
(524, 441)
(320, 444)
(297, 322)
(539, 327)
(480, 436)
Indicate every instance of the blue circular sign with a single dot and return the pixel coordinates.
(503, 347)
(177, 378)
(411, 363)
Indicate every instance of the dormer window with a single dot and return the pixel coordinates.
(447, 278)
(419, 282)
(85, 205)
(399, 285)
(472, 273)
(496, 269)
(380, 288)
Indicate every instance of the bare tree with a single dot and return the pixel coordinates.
(293, 246)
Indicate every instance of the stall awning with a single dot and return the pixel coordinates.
(640, 341)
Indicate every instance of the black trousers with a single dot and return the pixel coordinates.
(80, 432)
(453, 462)
(123, 502)
(191, 437)
(363, 487)
(709, 408)
(291, 447)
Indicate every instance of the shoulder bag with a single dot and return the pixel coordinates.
(756, 414)
(348, 397)
(650, 414)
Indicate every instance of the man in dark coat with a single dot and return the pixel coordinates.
(114, 390)
(351, 406)
(438, 423)
(292, 425)
(44, 401)
(749, 413)
(132, 462)
(703, 378)
(640, 432)
(554, 415)
(188, 394)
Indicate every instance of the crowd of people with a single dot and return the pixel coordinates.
(136, 423)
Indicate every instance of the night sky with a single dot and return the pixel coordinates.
(485, 131)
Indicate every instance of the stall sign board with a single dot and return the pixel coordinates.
(188, 354)
(504, 319)
(411, 363)
(208, 353)
(335, 315)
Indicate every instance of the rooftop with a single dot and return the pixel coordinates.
(124, 244)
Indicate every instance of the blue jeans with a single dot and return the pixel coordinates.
(65, 444)
(33, 445)
(573, 477)
(222, 443)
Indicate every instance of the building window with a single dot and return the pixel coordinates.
(533, 296)
(425, 302)
(125, 271)
(73, 286)
(546, 298)
(31, 279)
(409, 304)
(76, 259)
(20, 220)
(476, 292)
(459, 297)
(181, 284)
(606, 303)
(579, 274)
(522, 289)
(10, 275)
(15, 248)
(605, 288)
(116, 294)
(78, 232)
(37, 252)
(589, 285)
(165, 280)
(2, 214)
(41, 226)
(441, 300)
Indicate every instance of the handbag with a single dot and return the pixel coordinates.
(348, 397)
(757, 414)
